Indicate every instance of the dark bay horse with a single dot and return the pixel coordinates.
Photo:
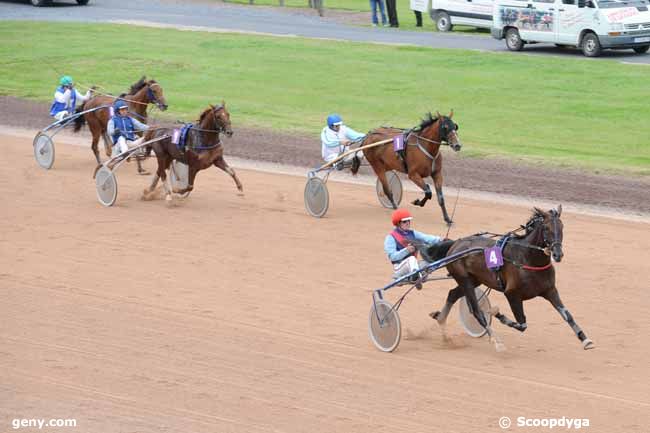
(423, 158)
(141, 94)
(527, 272)
(202, 149)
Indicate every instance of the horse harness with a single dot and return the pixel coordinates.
(181, 141)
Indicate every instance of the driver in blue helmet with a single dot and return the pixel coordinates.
(122, 127)
(336, 139)
(66, 98)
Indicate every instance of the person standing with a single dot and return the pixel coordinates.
(373, 7)
(419, 6)
(392, 13)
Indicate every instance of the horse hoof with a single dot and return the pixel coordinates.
(435, 315)
(143, 173)
(168, 198)
(588, 344)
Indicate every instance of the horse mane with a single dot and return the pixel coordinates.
(208, 110)
(535, 217)
(428, 120)
(135, 88)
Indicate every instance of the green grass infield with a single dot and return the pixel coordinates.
(561, 111)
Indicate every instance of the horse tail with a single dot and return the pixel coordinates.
(79, 121)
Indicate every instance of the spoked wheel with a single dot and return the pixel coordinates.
(106, 186)
(317, 198)
(395, 185)
(179, 176)
(44, 150)
(384, 326)
(467, 319)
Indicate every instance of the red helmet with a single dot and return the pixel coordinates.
(401, 215)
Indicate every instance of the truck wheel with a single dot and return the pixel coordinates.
(641, 50)
(82, 2)
(39, 2)
(591, 46)
(443, 22)
(513, 40)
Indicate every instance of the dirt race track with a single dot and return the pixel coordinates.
(243, 314)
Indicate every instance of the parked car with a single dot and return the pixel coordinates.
(447, 13)
(591, 25)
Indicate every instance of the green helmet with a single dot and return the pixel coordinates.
(66, 80)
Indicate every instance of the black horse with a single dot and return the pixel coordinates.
(527, 272)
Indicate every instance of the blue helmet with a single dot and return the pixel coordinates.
(120, 104)
(333, 119)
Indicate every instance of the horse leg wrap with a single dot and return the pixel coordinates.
(569, 319)
(427, 192)
(441, 198)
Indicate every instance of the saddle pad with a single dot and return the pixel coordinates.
(398, 143)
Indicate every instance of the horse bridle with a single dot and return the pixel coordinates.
(551, 245)
(444, 142)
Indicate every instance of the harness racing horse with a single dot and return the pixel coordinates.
(202, 149)
(527, 272)
(422, 159)
(141, 94)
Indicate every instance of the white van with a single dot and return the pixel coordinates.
(475, 13)
(592, 25)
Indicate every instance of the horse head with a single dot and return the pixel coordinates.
(155, 95)
(551, 231)
(220, 119)
(448, 131)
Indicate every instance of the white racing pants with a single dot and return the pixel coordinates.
(60, 115)
(407, 266)
(347, 159)
(122, 145)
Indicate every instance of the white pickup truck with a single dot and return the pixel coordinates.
(592, 25)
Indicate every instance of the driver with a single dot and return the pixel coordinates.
(66, 98)
(122, 128)
(336, 139)
(399, 244)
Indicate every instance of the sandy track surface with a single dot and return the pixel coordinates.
(243, 314)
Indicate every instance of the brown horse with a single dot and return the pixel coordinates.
(422, 155)
(527, 272)
(141, 94)
(202, 149)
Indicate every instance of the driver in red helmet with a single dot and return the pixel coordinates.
(400, 243)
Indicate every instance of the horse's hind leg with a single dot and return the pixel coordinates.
(222, 164)
(441, 316)
(437, 183)
(554, 298)
(381, 175)
(417, 179)
(108, 148)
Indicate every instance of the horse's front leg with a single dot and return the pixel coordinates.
(222, 164)
(417, 179)
(437, 182)
(554, 298)
(191, 175)
(381, 175)
(517, 307)
(470, 296)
